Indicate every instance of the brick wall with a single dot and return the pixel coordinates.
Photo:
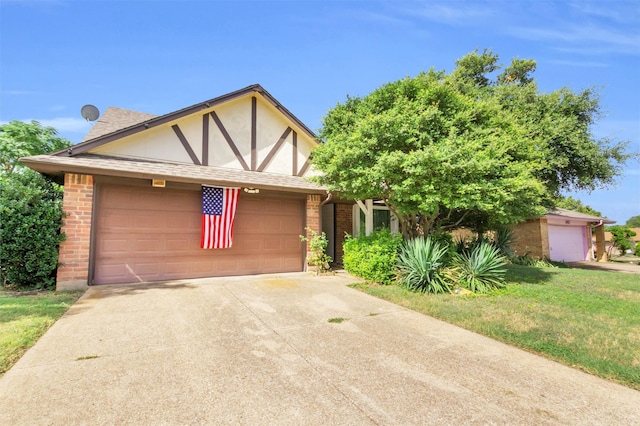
(313, 217)
(343, 224)
(74, 251)
(532, 238)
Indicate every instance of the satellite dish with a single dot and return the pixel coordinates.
(90, 113)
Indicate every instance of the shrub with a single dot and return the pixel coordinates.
(30, 221)
(372, 257)
(420, 265)
(480, 270)
(317, 256)
(637, 249)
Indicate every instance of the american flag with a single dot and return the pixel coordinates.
(218, 210)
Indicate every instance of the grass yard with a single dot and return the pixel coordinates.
(585, 319)
(24, 318)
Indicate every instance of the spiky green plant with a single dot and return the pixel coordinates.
(420, 266)
(503, 240)
(481, 269)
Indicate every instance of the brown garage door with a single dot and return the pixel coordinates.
(153, 234)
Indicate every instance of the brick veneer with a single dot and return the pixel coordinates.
(532, 238)
(601, 251)
(313, 217)
(343, 224)
(74, 251)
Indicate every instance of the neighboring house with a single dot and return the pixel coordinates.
(614, 251)
(561, 235)
(132, 192)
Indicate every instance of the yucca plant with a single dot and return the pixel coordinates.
(481, 269)
(420, 266)
(503, 240)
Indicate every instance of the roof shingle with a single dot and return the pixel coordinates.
(176, 172)
(114, 119)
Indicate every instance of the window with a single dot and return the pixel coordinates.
(382, 219)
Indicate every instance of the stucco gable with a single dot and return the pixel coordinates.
(246, 130)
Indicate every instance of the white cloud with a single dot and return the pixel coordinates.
(61, 124)
(587, 64)
(620, 14)
(19, 92)
(609, 39)
(450, 13)
(67, 124)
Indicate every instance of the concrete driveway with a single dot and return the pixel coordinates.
(261, 350)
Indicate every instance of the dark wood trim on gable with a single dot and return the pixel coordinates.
(304, 168)
(227, 137)
(205, 139)
(167, 118)
(254, 138)
(295, 154)
(185, 144)
(275, 149)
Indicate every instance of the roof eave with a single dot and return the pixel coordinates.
(40, 164)
(163, 119)
(604, 220)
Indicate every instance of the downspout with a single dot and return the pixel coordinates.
(329, 196)
(601, 257)
(593, 252)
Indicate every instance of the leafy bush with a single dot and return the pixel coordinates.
(420, 265)
(480, 270)
(372, 257)
(317, 256)
(30, 221)
(637, 249)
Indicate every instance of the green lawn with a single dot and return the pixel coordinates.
(24, 318)
(585, 319)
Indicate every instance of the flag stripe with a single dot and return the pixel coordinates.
(218, 214)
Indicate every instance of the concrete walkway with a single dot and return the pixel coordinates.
(261, 350)
(628, 268)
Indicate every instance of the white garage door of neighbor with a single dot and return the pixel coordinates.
(566, 243)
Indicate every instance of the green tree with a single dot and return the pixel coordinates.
(19, 139)
(620, 238)
(30, 208)
(570, 203)
(633, 222)
(467, 148)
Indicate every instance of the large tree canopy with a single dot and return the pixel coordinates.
(19, 139)
(475, 147)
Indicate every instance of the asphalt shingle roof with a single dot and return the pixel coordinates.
(114, 119)
(176, 172)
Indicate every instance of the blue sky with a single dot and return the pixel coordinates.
(160, 56)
